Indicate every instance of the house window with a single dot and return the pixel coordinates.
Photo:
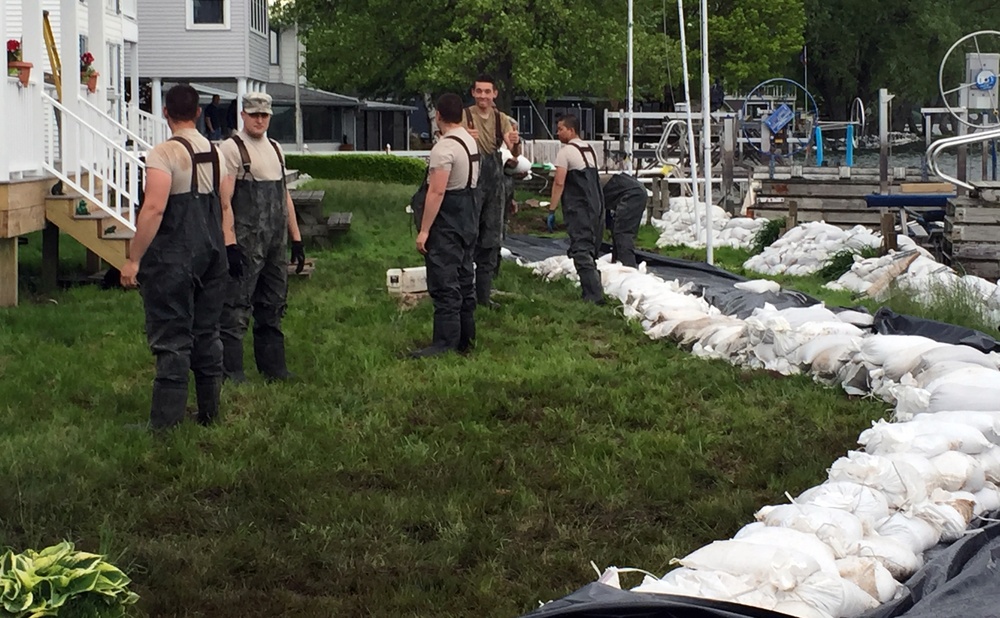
(208, 14)
(275, 45)
(258, 17)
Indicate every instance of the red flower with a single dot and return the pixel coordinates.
(86, 58)
(13, 45)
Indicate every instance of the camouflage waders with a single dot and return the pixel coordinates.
(583, 211)
(625, 198)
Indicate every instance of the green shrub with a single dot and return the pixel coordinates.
(842, 261)
(766, 235)
(367, 167)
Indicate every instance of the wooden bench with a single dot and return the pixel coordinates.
(340, 221)
(307, 199)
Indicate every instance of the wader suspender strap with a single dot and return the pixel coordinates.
(199, 158)
(583, 153)
(496, 116)
(473, 158)
(245, 156)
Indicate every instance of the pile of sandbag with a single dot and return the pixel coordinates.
(678, 226)
(843, 547)
(805, 249)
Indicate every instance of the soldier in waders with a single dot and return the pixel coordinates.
(625, 202)
(265, 217)
(490, 128)
(447, 228)
(578, 187)
(179, 256)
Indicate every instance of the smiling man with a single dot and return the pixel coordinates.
(265, 218)
(490, 128)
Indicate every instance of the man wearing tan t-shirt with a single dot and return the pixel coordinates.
(179, 255)
(490, 128)
(447, 231)
(265, 218)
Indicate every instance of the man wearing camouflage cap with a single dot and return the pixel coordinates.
(265, 217)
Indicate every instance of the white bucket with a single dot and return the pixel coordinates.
(406, 280)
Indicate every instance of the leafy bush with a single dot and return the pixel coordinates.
(61, 581)
(766, 235)
(842, 261)
(368, 167)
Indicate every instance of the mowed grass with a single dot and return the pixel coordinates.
(379, 486)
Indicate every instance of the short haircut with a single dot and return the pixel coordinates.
(484, 78)
(181, 102)
(450, 106)
(570, 122)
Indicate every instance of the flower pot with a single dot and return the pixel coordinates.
(92, 82)
(23, 70)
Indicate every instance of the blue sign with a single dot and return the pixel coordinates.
(779, 118)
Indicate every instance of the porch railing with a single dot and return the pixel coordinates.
(25, 146)
(118, 132)
(151, 129)
(93, 164)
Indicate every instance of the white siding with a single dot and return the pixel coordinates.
(168, 49)
(284, 71)
(114, 29)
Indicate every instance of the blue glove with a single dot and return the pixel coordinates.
(550, 221)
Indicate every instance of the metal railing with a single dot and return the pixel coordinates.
(935, 149)
(93, 164)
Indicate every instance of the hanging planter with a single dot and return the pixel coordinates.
(23, 70)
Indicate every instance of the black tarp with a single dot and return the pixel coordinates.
(598, 600)
(888, 322)
(714, 283)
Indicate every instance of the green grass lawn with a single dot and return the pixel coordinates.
(377, 486)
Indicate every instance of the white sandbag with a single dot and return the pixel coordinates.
(989, 461)
(895, 366)
(794, 540)
(869, 505)
(901, 483)
(894, 556)
(830, 594)
(913, 532)
(951, 353)
(986, 422)
(966, 375)
(839, 529)
(869, 575)
(959, 472)
(961, 397)
(758, 286)
(878, 349)
(927, 470)
(988, 498)
(716, 585)
(948, 514)
(809, 350)
(782, 568)
(928, 438)
(857, 318)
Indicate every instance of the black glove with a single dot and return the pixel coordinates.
(298, 256)
(237, 261)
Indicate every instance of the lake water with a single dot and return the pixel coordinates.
(912, 155)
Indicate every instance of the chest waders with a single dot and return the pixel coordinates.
(182, 279)
(583, 211)
(494, 194)
(451, 242)
(261, 215)
(625, 198)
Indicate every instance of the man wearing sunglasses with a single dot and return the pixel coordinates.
(265, 218)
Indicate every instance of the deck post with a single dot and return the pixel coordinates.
(8, 272)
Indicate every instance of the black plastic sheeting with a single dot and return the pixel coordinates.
(888, 322)
(601, 601)
(714, 283)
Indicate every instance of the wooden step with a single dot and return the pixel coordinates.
(90, 229)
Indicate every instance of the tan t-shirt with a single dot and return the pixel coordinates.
(264, 163)
(572, 159)
(487, 128)
(449, 154)
(173, 158)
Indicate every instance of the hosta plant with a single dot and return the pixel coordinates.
(60, 581)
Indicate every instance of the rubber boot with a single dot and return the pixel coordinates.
(590, 285)
(484, 288)
(467, 336)
(447, 332)
(232, 361)
(270, 357)
(207, 394)
(168, 406)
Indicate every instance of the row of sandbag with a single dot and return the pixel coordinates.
(806, 248)
(842, 547)
(685, 224)
(915, 272)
